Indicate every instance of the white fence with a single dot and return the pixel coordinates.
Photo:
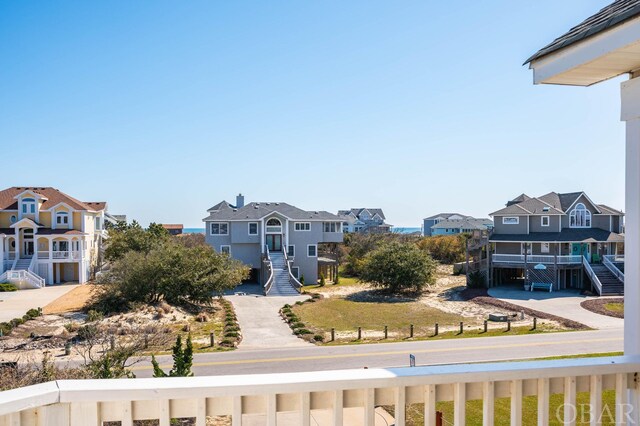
(535, 258)
(297, 397)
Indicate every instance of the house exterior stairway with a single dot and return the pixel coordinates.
(611, 285)
(281, 284)
(22, 264)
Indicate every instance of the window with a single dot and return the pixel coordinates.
(525, 248)
(295, 270)
(312, 250)
(544, 221)
(332, 227)
(253, 228)
(28, 205)
(302, 226)
(13, 218)
(98, 224)
(580, 217)
(274, 226)
(544, 247)
(219, 228)
(60, 246)
(291, 251)
(510, 220)
(225, 249)
(62, 218)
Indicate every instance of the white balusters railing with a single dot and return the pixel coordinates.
(592, 275)
(297, 398)
(609, 260)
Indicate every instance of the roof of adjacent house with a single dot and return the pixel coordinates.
(568, 235)
(51, 197)
(468, 223)
(221, 205)
(614, 14)
(520, 198)
(357, 211)
(552, 203)
(172, 226)
(446, 216)
(256, 211)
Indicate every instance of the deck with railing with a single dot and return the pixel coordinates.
(536, 258)
(296, 398)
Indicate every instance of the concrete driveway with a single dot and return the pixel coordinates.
(261, 324)
(565, 304)
(15, 304)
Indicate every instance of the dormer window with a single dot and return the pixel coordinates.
(62, 218)
(580, 217)
(28, 206)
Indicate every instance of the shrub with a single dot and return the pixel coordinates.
(476, 280)
(292, 319)
(298, 303)
(72, 326)
(445, 248)
(33, 313)
(229, 333)
(399, 266)
(7, 287)
(227, 343)
(316, 296)
(231, 328)
(297, 325)
(287, 306)
(16, 322)
(5, 328)
(301, 331)
(318, 338)
(322, 280)
(182, 361)
(301, 279)
(94, 315)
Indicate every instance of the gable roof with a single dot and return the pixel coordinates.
(51, 197)
(520, 198)
(608, 17)
(446, 216)
(552, 203)
(257, 211)
(357, 211)
(221, 205)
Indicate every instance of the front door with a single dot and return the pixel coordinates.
(274, 242)
(578, 249)
(28, 248)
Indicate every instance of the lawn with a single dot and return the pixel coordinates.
(617, 307)
(502, 410)
(343, 282)
(345, 315)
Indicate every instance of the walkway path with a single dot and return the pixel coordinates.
(16, 303)
(565, 304)
(261, 324)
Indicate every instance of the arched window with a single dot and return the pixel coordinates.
(28, 206)
(274, 225)
(62, 218)
(580, 217)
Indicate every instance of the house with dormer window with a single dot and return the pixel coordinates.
(273, 237)
(562, 240)
(364, 220)
(48, 237)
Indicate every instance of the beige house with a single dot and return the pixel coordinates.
(48, 237)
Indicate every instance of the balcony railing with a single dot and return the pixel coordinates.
(535, 258)
(296, 398)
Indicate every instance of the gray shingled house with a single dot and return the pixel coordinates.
(272, 236)
(558, 239)
(453, 223)
(364, 220)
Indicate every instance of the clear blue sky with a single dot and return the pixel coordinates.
(164, 108)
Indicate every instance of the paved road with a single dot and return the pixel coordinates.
(479, 349)
(16, 303)
(565, 303)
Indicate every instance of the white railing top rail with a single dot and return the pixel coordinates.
(269, 283)
(606, 261)
(292, 279)
(536, 258)
(592, 275)
(79, 391)
(616, 258)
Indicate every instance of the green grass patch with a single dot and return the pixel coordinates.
(617, 307)
(344, 282)
(344, 315)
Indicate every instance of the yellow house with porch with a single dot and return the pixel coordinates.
(48, 237)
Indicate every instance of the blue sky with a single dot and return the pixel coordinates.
(164, 108)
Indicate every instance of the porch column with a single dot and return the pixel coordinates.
(630, 92)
